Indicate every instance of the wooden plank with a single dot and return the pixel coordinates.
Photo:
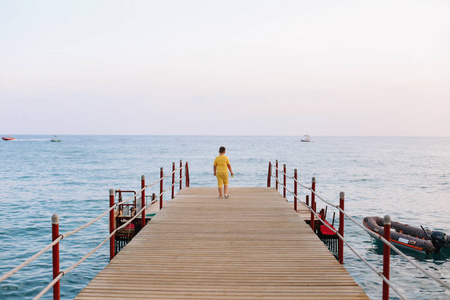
(250, 246)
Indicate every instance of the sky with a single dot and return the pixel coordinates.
(319, 67)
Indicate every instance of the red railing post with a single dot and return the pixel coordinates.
(181, 174)
(276, 174)
(386, 256)
(313, 202)
(284, 181)
(307, 200)
(269, 174)
(341, 228)
(143, 200)
(295, 189)
(187, 175)
(173, 180)
(161, 188)
(55, 257)
(112, 240)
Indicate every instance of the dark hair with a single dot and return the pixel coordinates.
(222, 149)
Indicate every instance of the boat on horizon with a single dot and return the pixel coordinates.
(306, 139)
(55, 140)
(8, 138)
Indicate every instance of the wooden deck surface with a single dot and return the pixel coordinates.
(250, 246)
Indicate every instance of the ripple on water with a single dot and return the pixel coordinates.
(395, 176)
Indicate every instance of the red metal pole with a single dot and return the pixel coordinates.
(112, 240)
(143, 200)
(386, 256)
(55, 258)
(276, 174)
(173, 180)
(284, 181)
(295, 189)
(313, 202)
(188, 181)
(341, 228)
(161, 189)
(181, 174)
(269, 174)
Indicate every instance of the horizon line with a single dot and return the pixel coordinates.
(227, 135)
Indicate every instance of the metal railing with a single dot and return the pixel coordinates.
(387, 245)
(57, 237)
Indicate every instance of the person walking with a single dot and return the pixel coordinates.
(221, 167)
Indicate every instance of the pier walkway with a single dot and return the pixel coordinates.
(250, 246)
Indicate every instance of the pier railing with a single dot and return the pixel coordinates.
(57, 237)
(281, 177)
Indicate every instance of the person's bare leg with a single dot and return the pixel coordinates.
(225, 189)
(221, 192)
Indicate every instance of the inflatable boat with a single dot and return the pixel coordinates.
(404, 236)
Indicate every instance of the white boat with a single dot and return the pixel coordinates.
(307, 138)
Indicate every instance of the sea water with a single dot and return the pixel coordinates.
(404, 177)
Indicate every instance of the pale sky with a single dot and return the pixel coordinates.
(333, 68)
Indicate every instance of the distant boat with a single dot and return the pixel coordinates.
(8, 138)
(55, 140)
(307, 138)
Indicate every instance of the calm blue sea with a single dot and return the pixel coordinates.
(405, 177)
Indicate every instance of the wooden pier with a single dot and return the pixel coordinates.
(250, 246)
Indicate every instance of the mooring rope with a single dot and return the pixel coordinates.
(354, 251)
(49, 286)
(159, 196)
(89, 223)
(170, 174)
(426, 272)
(117, 204)
(62, 273)
(13, 271)
(34, 257)
(423, 270)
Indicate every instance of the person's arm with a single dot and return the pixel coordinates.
(229, 168)
(215, 168)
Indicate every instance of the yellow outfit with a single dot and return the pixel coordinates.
(221, 162)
